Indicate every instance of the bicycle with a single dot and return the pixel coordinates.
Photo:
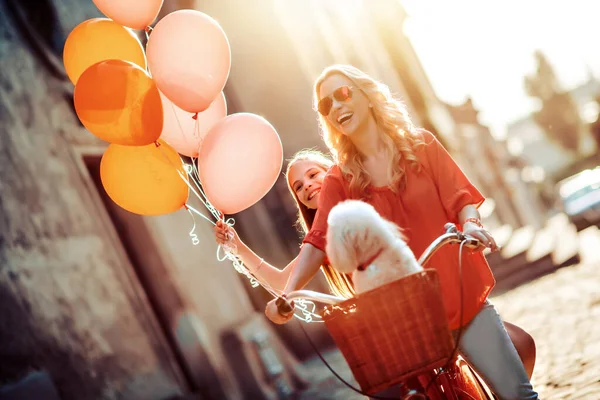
(417, 351)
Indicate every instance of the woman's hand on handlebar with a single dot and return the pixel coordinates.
(483, 236)
(275, 311)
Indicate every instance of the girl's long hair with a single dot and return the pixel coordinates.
(340, 284)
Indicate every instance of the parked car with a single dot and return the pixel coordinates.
(580, 197)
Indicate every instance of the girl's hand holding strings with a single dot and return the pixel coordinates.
(225, 235)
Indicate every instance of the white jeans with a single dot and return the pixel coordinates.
(486, 345)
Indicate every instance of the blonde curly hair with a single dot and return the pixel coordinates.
(398, 134)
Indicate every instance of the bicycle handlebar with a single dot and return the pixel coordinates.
(452, 235)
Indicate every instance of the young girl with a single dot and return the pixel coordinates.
(411, 180)
(305, 174)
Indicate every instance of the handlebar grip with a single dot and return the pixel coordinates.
(284, 307)
(449, 227)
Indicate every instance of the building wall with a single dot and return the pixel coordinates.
(70, 303)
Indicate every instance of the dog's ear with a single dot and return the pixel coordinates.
(396, 230)
(340, 249)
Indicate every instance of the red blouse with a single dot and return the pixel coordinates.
(431, 197)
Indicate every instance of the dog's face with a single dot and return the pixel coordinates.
(355, 233)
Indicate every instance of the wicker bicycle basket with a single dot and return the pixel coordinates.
(394, 332)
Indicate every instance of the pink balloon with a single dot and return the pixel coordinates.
(184, 133)
(189, 58)
(134, 14)
(239, 161)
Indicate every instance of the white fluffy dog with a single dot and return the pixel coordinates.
(362, 243)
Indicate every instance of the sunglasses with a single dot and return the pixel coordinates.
(343, 93)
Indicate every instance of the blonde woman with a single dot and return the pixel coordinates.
(410, 179)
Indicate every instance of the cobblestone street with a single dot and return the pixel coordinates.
(560, 310)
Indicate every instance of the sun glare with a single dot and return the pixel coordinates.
(484, 49)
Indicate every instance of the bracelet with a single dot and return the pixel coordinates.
(475, 221)
(259, 265)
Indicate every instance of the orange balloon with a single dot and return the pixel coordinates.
(144, 179)
(100, 39)
(119, 102)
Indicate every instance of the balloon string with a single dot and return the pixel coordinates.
(176, 117)
(186, 180)
(192, 233)
(237, 263)
(181, 131)
(148, 31)
(193, 173)
(306, 308)
(178, 170)
(191, 209)
(196, 128)
(201, 195)
(195, 169)
(205, 202)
